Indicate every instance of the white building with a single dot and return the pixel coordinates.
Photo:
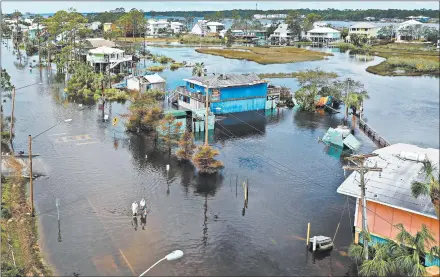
(276, 16)
(176, 27)
(154, 26)
(200, 28)
(104, 58)
(324, 35)
(260, 16)
(146, 82)
(408, 30)
(28, 20)
(283, 34)
(215, 27)
(94, 25)
(366, 29)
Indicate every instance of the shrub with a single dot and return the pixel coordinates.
(175, 66)
(205, 160)
(156, 68)
(6, 214)
(417, 64)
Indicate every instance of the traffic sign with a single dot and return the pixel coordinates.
(115, 121)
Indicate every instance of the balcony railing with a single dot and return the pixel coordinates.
(196, 96)
(98, 59)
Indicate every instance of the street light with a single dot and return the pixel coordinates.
(176, 254)
(13, 108)
(31, 186)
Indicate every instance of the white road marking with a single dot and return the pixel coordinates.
(58, 134)
(83, 143)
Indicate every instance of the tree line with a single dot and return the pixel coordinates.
(328, 14)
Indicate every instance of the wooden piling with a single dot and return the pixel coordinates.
(314, 244)
(308, 233)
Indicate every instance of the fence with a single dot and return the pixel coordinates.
(370, 132)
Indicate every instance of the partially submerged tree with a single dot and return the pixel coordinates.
(313, 83)
(205, 160)
(430, 187)
(169, 130)
(187, 146)
(353, 94)
(145, 112)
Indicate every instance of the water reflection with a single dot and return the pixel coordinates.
(241, 125)
(314, 120)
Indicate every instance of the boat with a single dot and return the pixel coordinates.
(322, 243)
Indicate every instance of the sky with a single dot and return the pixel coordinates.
(8, 6)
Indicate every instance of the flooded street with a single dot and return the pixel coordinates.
(97, 171)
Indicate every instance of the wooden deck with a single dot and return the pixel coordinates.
(371, 133)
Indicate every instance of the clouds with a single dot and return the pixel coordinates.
(95, 6)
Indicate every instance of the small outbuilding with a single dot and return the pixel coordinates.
(146, 82)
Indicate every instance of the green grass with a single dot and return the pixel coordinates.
(20, 232)
(156, 68)
(188, 39)
(405, 59)
(272, 55)
(175, 66)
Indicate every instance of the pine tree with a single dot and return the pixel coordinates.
(187, 146)
(169, 130)
(205, 160)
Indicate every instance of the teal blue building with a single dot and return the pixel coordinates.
(228, 93)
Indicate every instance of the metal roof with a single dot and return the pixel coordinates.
(392, 187)
(364, 25)
(214, 24)
(106, 50)
(323, 30)
(409, 23)
(99, 42)
(226, 80)
(154, 78)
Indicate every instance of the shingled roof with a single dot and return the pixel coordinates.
(226, 80)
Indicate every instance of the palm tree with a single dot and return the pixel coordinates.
(403, 256)
(353, 95)
(430, 187)
(199, 70)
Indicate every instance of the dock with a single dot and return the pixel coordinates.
(371, 133)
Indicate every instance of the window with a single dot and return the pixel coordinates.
(191, 85)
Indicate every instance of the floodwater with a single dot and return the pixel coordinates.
(97, 171)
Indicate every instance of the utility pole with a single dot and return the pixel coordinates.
(359, 162)
(31, 186)
(206, 114)
(12, 116)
